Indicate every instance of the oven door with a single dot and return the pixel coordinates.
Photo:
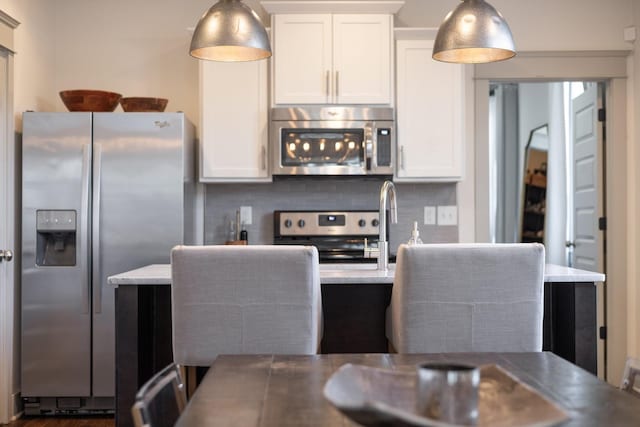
(319, 147)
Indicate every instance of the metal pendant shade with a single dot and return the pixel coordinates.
(474, 32)
(230, 31)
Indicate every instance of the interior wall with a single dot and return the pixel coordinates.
(540, 104)
(537, 104)
(506, 173)
(542, 24)
(34, 60)
(633, 159)
(556, 217)
(139, 47)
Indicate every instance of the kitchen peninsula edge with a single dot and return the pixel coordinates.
(355, 297)
(160, 274)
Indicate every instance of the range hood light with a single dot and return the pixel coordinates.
(230, 31)
(474, 32)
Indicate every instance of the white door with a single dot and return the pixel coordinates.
(588, 206)
(587, 176)
(6, 244)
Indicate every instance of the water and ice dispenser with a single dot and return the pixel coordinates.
(56, 242)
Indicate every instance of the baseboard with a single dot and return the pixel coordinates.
(17, 411)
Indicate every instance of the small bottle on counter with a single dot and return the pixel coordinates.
(415, 235)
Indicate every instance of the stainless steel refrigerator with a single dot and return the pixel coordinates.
(102, 193)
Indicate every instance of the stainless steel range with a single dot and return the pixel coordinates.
(338, 235)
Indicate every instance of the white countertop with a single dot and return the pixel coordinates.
(160, 274)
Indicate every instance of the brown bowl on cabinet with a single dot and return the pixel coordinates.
(90, 100)
(142, 104)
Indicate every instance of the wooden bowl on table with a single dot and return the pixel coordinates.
(142, 104)
(90, 100)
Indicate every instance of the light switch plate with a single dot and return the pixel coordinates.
(245, 215)
(430, 215)
(447, 215)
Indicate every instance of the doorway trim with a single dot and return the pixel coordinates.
(8, 303)
(607, 66)
(7, 219)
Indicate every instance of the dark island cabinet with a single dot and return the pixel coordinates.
(354, 322)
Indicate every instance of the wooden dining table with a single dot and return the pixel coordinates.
(287, 390)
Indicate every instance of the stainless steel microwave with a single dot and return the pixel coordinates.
(332, 141)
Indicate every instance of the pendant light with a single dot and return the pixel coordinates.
(474, 32)
(230, 31)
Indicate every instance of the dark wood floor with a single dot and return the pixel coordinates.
(64, 422)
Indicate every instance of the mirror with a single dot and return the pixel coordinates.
(534, 190)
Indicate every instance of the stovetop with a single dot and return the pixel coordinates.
(339, 235)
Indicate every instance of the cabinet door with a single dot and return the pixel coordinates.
(302, 59)
(233, 121)
(362, 59)
(429, 115)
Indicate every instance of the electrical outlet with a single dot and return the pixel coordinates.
(245, 215)
(447, 215)
(430, 215)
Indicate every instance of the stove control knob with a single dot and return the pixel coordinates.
(375, 222)
(301, 223)
(288, 223)
(362, 223)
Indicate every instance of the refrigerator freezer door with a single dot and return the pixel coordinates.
(56, 322)
(137, 212)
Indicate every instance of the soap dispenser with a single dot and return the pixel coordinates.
(415, 235)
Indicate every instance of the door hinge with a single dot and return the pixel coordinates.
(602, 115)
(602, 223)
(603, 332)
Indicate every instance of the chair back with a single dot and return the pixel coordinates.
(467, 297)
(160, 400)
(631, 377)
(244, 300)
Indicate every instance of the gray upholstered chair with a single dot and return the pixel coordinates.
(467, 297)
(244, 300)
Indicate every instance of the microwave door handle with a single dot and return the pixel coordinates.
(368, 135)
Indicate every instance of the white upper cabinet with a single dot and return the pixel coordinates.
(430, 113)
(332, 58)
(302, 59)
(234, 121)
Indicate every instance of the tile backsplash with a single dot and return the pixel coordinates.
(331, 193)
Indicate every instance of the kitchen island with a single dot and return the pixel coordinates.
(354, 299)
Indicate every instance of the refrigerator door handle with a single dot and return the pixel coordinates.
(97, 261)
(84, 228)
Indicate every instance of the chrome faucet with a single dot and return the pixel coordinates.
(387, 191)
